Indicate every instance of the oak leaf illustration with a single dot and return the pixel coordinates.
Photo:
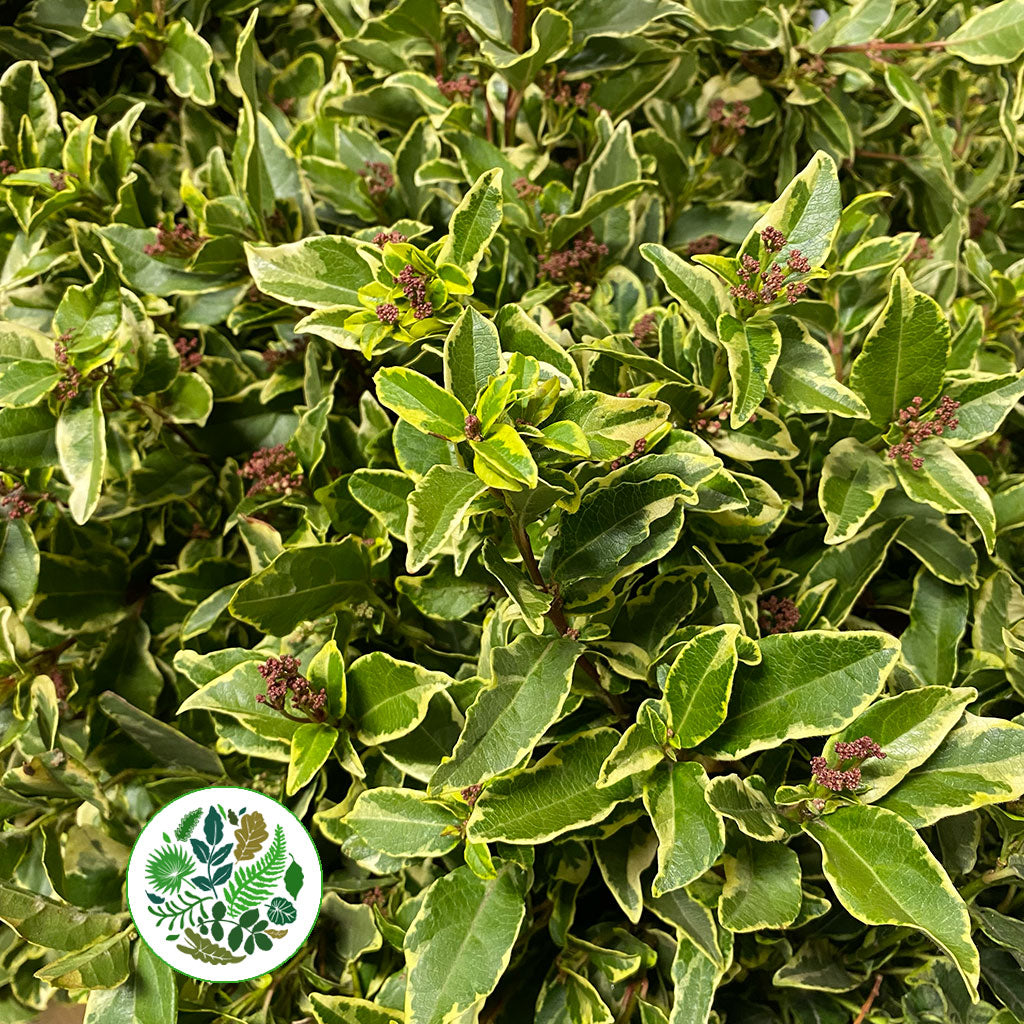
(251, 835)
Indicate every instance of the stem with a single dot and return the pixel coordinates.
(555, 614)
(869, 154)
(514, 98)
(869, 1001)
(874, 45)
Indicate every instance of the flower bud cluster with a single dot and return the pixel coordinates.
(703, 245)
(566, 263)
(711, 423)
(761, 285)
(839, 778)
(271, 469)
(778, 614)
(525, 189)
(14, 504)
(729, 115)
(388, 313)
(69, 385)
(915, 430)
(414, 286)
(283, 678)
(644, 329)
(378, 177)
(462, 85)
(383, 237)
(563, 94)
(188, 353)
(180, 241)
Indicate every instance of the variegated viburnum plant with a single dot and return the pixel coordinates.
(570, 453)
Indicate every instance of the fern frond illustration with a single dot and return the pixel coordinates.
(187, 825)
(254, 883)
(168, 868)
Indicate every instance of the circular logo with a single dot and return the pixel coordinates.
(224, 884)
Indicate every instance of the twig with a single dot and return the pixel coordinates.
(869, 1001)
(555, 614)
(869, 154)
(873, 45)
(513, 97)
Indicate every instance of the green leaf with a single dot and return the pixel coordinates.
(186, 61)
(531, 681)
(700, 293)
(694, 980)
(388, 698)
(854, 479)
(746, 802)
(437, 508)
(104, 964)
(404, 823)
(691, 835)
(622, 858)
(883, 873)
(165, 744)
(89, 314)
(752, 350)
(570, 997)
(938, 618)
(904, 355)
(528, 597)
(984, 405)
(327, 670)
(421, 403)
(699, 683)
(348, 1010)
(807, 214)
(992, 35)
(472, 356)
(908, 727)
(807, 684)
(473, 224)
(640, 748)
(550, 37)
(300, 584)
(82, 449)
(311, 746)
(317, 272)
(460, 942)
(27, 369)
(19, 564)
(618, 529)
(946, 482)
(762, 887)
(555, 795)
(385, 493)
(980, 762)
(27, 437)
(805, 376)
(52, 924)
(503, 460)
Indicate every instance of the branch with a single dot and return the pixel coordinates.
(874, 45)
(555, 614)
(513, 97)
(859, 1019)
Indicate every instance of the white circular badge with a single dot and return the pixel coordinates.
(224, 884)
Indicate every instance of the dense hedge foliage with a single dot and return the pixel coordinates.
(569, 453)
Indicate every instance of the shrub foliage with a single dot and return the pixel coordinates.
(571, 454)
